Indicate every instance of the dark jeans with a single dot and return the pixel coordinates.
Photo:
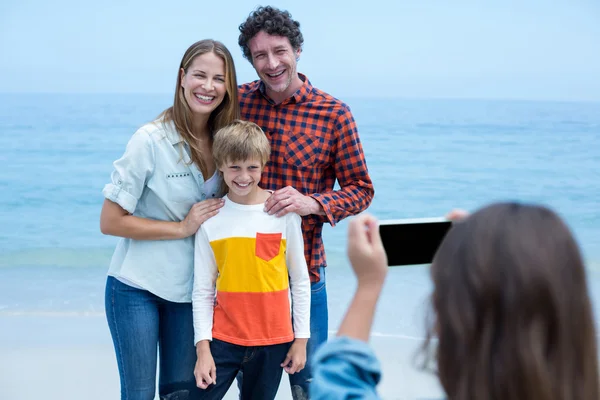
(319, 323)
(141, 325)
(261, 366)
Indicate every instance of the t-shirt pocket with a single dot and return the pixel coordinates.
(267, 245)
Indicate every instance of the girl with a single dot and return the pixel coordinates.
(513, 316)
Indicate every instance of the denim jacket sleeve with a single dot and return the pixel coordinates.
(345, 368)
(131, 172)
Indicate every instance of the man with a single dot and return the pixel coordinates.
(314, 142)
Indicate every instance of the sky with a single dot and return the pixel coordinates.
(497, 49)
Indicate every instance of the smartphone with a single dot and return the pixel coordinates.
(412, 241)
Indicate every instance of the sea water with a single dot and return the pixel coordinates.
(425, 157)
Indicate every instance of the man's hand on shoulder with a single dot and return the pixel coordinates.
(288, 199)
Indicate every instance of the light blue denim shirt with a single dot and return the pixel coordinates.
(154, 179)
(345, 368)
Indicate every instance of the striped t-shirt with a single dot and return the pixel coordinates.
(253, 261)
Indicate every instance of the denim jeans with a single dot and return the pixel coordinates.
(143, 326)
(319, 325)
(260, 366)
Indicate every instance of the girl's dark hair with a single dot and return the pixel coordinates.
(511, 307)
(274, 22)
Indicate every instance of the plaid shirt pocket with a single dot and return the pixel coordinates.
(306, 150)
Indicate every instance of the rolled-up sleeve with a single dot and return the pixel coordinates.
(131, 172)
(345, 368)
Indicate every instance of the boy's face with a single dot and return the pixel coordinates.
(242, 178)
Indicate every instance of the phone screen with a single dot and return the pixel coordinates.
(412, 241)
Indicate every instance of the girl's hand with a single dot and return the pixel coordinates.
(365, 250)
(457, 215)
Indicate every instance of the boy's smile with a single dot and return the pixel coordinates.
(242, 179)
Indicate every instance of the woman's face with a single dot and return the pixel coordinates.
(203, 84)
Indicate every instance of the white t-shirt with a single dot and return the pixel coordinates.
(254, 262)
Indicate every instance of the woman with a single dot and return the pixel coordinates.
(162, 189)
(513, 317)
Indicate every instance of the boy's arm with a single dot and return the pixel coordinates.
(299, 280)
(203, 293)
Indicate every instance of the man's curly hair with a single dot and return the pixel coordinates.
(274, 22)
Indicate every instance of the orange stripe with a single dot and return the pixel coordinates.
(253, 319)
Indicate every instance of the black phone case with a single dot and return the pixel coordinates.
(412, 243)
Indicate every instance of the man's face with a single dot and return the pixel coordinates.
(274, 60)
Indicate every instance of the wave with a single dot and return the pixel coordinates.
(100, 257)
(58, 257)
(52, 314)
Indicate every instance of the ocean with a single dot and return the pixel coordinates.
(425, 157)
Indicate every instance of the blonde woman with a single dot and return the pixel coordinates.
(162, 189)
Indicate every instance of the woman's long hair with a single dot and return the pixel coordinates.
(511, 308)
(225, 113)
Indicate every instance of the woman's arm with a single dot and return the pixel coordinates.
(116, 221)
(128, 180)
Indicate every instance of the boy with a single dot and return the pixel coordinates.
(252, 260)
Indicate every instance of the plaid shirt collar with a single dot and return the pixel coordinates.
(300, 96)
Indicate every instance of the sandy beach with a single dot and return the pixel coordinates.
(46, 368)
(42, 369)
(55, 344)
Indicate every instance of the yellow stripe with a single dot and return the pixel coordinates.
(240, 270)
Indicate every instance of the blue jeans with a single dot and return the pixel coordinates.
(319, 325)
(141, 322)
(260, 365)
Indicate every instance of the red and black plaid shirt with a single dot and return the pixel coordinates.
(314, 141)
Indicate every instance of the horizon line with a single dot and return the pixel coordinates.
(371, 97)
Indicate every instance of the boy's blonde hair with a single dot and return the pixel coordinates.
(240, 141)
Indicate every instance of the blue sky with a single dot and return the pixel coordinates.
(528, 49)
